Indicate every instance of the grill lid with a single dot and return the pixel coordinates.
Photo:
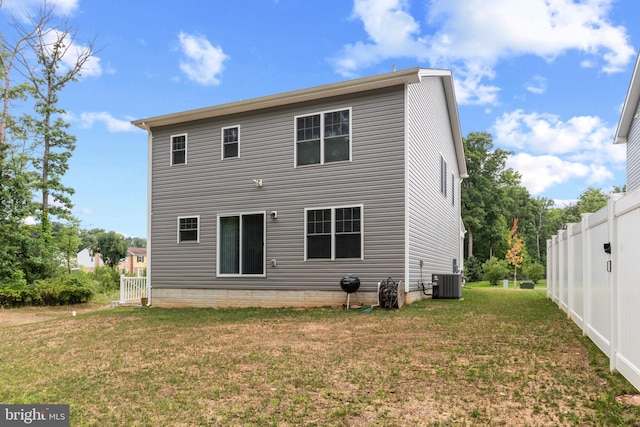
(350, 284)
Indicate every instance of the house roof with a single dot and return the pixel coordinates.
(630, 106)
(411, 75)
(137, 251)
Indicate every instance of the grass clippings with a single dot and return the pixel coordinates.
(498, 357)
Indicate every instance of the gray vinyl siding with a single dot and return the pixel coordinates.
(208, 186)
(433, 219)
(633, 153)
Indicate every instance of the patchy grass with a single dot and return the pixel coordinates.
(495, 358)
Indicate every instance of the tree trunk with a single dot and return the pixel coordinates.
(469, 242)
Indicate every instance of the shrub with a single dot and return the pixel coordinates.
(534, 272)
(15, 292)
(495, 269)
(108, 278)
(71, 288)
(473, 269)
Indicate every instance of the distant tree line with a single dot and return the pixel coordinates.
(493, 200)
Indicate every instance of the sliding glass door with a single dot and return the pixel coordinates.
(241, 244)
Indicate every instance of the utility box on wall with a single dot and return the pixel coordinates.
(446, 286)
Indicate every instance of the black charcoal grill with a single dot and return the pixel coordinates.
(350, 284)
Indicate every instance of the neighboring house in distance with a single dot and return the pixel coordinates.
(628, 131)
(88, 262)
(135, 262)
(271, 201)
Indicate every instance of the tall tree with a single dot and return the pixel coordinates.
(50, 74)
(10, 52)
(540, 207)
(481, 198)
(515, 254)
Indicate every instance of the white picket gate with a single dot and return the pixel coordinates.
(132, 289)
(593, 274)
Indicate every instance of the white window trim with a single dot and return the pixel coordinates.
(321, 113)
(443, 176)
(222, 157)
(333, 232)
(186, 242)
(186, 149)
(264, 244)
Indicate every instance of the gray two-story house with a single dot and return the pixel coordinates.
(271, 201)
(628, 131)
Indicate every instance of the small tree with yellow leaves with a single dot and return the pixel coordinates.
(515, 254)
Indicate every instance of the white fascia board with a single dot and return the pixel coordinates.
(629, 107)
(319, 92)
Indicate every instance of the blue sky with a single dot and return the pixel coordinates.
(547, 78)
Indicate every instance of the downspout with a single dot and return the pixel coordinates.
(149, 213)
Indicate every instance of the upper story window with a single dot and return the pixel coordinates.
(140, 259)
(323, 137)
(443, 176)
(179, 149)
(230, 142)
(333, 233)
(188, 229)
(453, 189)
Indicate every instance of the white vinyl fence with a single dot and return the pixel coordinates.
(133, 288)
(593, 272)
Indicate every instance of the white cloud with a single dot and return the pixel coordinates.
(74, 50)
(542, 172)
(88, 119)
(22, 9)
(581, 138)
(203, 62)
(537, 85)
(471, 36)
(551, 152)
(393, 33)
(546, 28)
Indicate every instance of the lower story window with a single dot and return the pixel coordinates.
(188, 229)
(333, 233)
(241, 244)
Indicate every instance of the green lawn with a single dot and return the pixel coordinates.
(497, 357)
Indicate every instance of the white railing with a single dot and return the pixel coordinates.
(132, 289)
(593, 274)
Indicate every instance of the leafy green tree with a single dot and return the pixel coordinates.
(53, 70)
(137, 242)
(113, 248)
(473, 269)
(68, 240)
(89, 238)
(540, 207)
(495, 269)
(491, 197)
(534, 271)
(515, 254)
(591, 200)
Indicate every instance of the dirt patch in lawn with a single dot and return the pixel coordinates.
(26, 315)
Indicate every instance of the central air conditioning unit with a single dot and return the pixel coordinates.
(446, 286)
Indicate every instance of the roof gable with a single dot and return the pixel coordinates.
(630, 106)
